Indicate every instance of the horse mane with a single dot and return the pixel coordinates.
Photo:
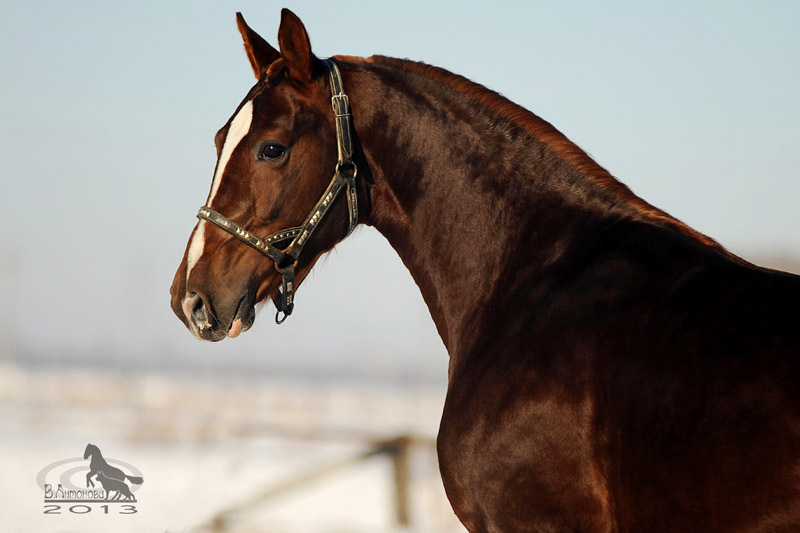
(548, 135)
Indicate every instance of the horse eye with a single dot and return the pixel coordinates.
(272, 151)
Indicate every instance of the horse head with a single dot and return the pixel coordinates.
(90, 450)
(275, 156)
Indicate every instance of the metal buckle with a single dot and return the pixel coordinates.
(338, 99)
(286, 292)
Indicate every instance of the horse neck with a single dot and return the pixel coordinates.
(461, 177)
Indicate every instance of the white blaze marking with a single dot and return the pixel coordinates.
(240, 126)
(196, 247)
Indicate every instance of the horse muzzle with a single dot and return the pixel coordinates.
(206, 321)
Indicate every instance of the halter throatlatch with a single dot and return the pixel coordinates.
(344, 177)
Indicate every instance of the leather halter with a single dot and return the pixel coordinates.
(344, 176)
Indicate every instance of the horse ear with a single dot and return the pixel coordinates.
(259, 51)
(295, 46)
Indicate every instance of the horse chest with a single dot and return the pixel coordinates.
(509, 462)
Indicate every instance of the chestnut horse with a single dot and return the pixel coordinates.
(611, 369)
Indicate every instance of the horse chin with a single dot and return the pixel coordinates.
(210, 334)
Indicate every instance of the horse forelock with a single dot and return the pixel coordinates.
(547, 134)
(275, 68)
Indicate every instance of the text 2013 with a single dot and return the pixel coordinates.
(82, 508)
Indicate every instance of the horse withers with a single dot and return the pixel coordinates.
(611, 369)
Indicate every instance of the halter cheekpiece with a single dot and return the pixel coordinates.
(344, 177)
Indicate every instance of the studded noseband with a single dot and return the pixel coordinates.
(344, 177)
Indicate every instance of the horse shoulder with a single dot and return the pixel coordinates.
(607, 385)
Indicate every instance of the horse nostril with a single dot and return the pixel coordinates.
(200, 317)
(193, 307)
(195, 303)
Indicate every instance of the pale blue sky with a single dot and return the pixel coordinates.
(106, 143)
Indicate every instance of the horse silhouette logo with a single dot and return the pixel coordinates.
(68, 488)
(110, 477)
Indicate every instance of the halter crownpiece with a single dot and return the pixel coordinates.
(344, 176)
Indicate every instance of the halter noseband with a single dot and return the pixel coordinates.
(344, 176)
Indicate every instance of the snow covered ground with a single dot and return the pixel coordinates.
(257, 455)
